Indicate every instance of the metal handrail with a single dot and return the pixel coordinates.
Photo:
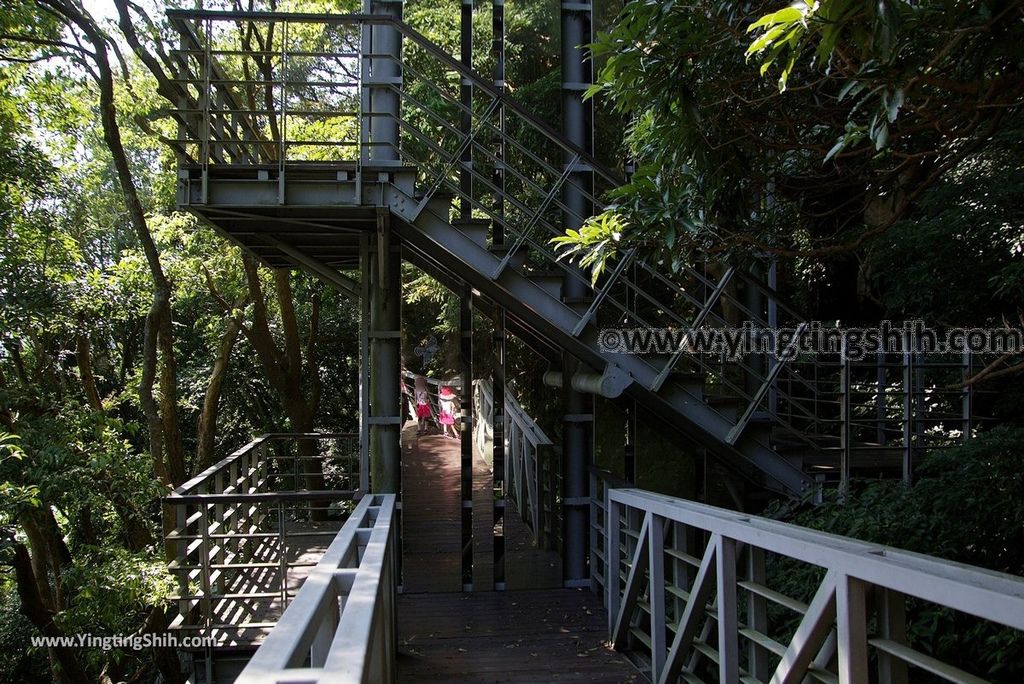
(529, 464)
(681, 555)
(343, 617)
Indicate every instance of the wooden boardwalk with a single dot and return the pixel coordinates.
(431, 513)
(549, 635)
(432, 525)
(533, 632)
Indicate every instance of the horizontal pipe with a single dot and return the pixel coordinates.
(609, 384)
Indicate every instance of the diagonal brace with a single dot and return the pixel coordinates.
(810, 634)
(633, 582)
(700, 592)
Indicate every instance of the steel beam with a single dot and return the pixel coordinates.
(385, 295)
(466, 117)
(380, 74)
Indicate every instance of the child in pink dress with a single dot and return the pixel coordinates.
(422, 399)
(446, 405)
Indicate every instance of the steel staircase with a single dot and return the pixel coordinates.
(473, 189)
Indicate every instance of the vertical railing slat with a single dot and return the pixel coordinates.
(656, 571)
(728, 643)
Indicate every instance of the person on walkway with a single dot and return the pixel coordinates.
(422, 398)
(446, 404)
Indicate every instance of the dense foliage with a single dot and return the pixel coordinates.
(968, 506)
(835, 135)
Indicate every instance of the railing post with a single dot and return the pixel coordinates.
(321, 645)
(757, 614)
(881, 410)
(908, 411)
(218, 518)
(967, 396)
(656, 571)
(549, 502)
(845, 415)
(205, 572)
(892, 625)
(282, 557)
(596, 532)
(728, 643)
(852, 630)
(613, 559)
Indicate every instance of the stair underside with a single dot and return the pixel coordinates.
(321, 221)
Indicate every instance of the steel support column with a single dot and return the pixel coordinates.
(364, 362)
(498, 443)
(466, 117)
(498, 55)
(466, 420)
(381, 104)
(385, 304)
(577, 127)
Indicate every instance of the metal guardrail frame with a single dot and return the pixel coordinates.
(234, 528)
(657, 542)
(344, 616)
(531, 469)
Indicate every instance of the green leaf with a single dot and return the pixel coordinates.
(786, 15)
(836, 149)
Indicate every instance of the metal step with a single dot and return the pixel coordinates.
(730, 407)
(477, 229)
(518, 259)
(578, 304)
(549, 281)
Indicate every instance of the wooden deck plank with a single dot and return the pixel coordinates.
(431, 513)
(483, 525)
(432, 524)
(526, 566)
(510, 636)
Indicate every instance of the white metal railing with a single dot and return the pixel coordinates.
(342, 622)
(530, 468)
(695, 592)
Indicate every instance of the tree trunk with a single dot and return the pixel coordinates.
(161, 417)
(68, 669)
(211, 401)
(83, 356)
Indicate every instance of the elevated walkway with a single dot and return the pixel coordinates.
(528, 636)
(370, 157)
(475, 204)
